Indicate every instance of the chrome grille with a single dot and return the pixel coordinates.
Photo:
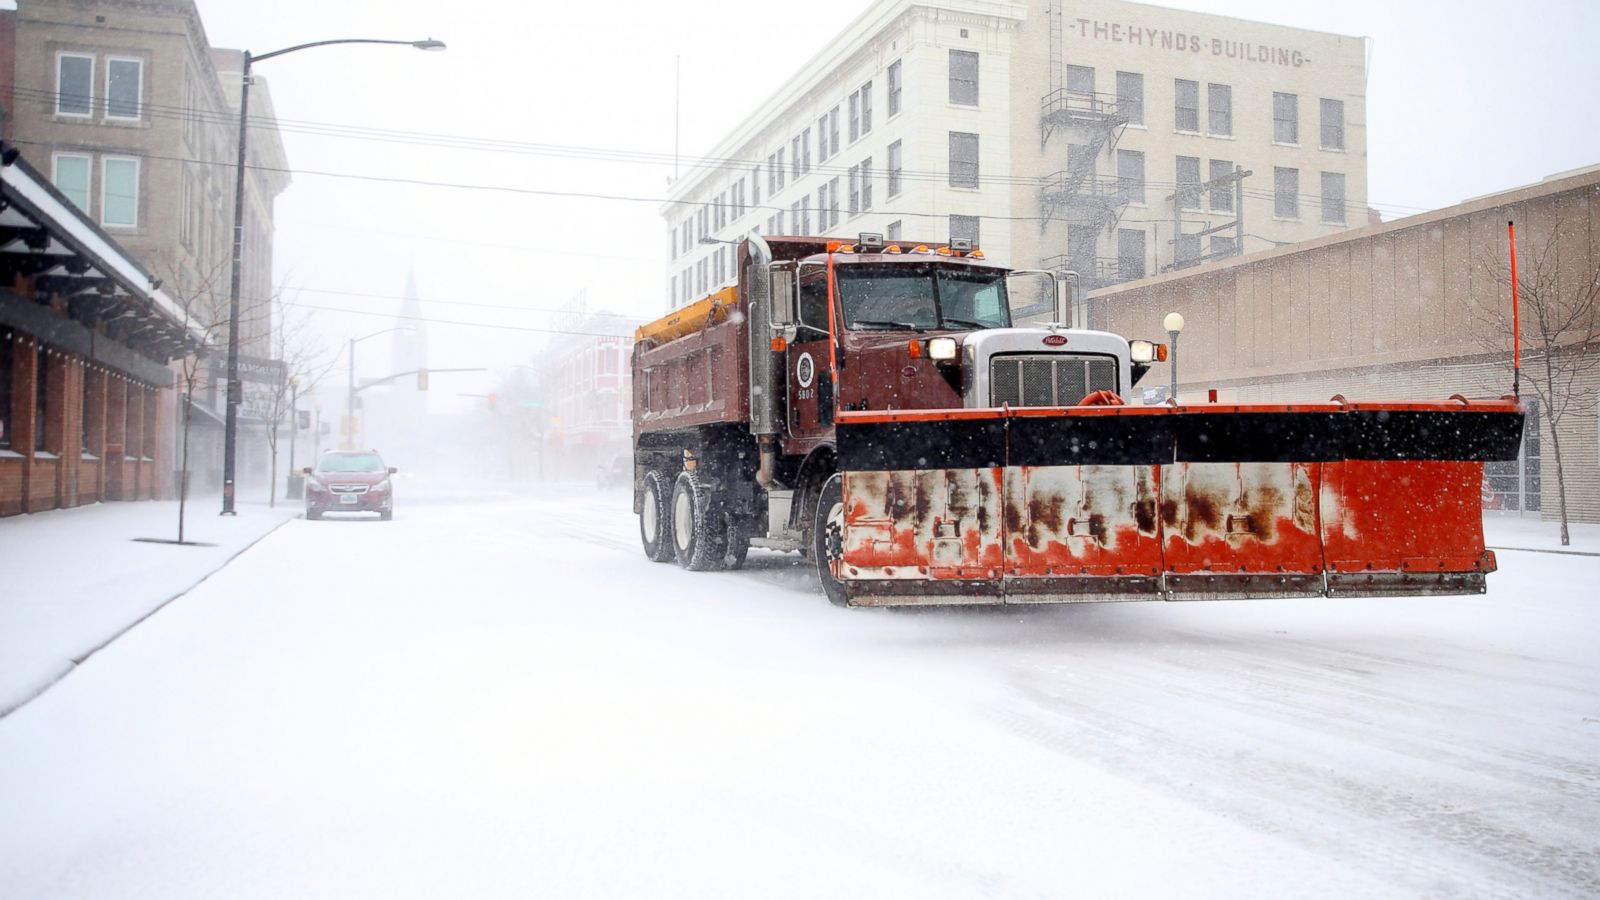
(349, 488)
(1054, 379)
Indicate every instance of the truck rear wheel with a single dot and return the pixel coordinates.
(699, 530)
(655, 519)
(827, 537)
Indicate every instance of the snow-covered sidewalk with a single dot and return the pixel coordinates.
(76, 578)
(1508, 532)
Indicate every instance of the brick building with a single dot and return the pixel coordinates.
(86, 337)
(133, 116)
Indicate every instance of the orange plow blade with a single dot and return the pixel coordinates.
(1074, 504)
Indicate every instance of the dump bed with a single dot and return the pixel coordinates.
(689, 366)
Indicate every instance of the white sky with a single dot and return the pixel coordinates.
(1465, 98)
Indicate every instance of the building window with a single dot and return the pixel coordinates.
(755, 185)
(805, 152)
(855, 115)
(41, 395)
(1188, 182)
(6, 362)
(1221, 198)
(963, 160)
(794, 157)
(1081, 250)
(1219, 109)
(124, 87)
(892, 233)
(779, 169)
(822, 137)
(1080, 80)
(866, 184)
(772, 174)
(896, 83)
(1130, 176)
(74, 84)
(1333, 198)
(866, 108)
(894, 169)
(1186, 105)
(1188, 250)
(72, 178)
(855, 190)
(119, 191)
(964, 77)
(1223, 246)
(1130, 253)
(822, 207)
(1130, 96)
(1286, 118)
(833, 201)
(1332, 124)
(1080, 160)
(964, 228)
(805, 215)
(833, 131)
(1285, 192)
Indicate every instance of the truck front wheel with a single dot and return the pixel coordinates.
(699, 531)
(827, 537)
(655, 520)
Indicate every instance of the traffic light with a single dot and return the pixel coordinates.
(492, 399)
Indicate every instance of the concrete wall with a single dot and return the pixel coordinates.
(1416, 308)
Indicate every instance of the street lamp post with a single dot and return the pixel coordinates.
(230, 437)
(350, 384)
(1174, 324)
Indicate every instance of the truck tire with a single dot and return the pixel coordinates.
(655, 518)
(738, 546)
(826, 535)
(699, 530)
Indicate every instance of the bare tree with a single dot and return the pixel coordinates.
(205, 313)
(305, 363)
(1560, 313)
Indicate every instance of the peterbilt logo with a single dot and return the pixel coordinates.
(1055, 340)
(805, 370)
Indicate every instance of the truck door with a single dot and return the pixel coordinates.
(809, 372)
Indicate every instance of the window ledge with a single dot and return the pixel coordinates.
(1295, 145)
(1345, 224)
(44, 454)
(1296, 220)
(967, 189)
(1333, 149)
(951, 104)
(1221, 137)
(10, 454)
(1187, 132)
(1137, 126)
(91, 457)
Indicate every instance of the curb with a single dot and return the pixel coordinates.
(1542, 550)
(81, 659)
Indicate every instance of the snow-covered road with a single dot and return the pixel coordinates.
(498, 696)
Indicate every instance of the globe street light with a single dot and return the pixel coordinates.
(1174, 324)
(230, 434)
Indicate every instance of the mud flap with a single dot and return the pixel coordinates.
(1073, 504)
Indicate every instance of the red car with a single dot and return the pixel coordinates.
(350, 481)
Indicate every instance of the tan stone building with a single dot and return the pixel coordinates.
(1078, 136)
(1414, 308)
(133, 115)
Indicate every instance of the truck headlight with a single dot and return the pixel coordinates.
(1146, 351)
(942, 349)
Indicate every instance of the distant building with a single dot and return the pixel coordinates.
(1406, 309)
(1104, 137)
(586, 391)
(133, 115)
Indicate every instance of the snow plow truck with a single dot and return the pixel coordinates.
(886, 410)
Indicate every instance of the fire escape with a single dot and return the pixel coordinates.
(1088, 203)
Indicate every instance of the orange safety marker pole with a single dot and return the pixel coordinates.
(1516, 316)
(833, 355)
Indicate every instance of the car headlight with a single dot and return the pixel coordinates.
(382, 486)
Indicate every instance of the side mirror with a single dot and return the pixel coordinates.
(393, 470)
(782, 294)
(306, 471)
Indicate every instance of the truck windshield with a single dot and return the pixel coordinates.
(901, 295)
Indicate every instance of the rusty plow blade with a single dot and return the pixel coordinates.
(1097, 503)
